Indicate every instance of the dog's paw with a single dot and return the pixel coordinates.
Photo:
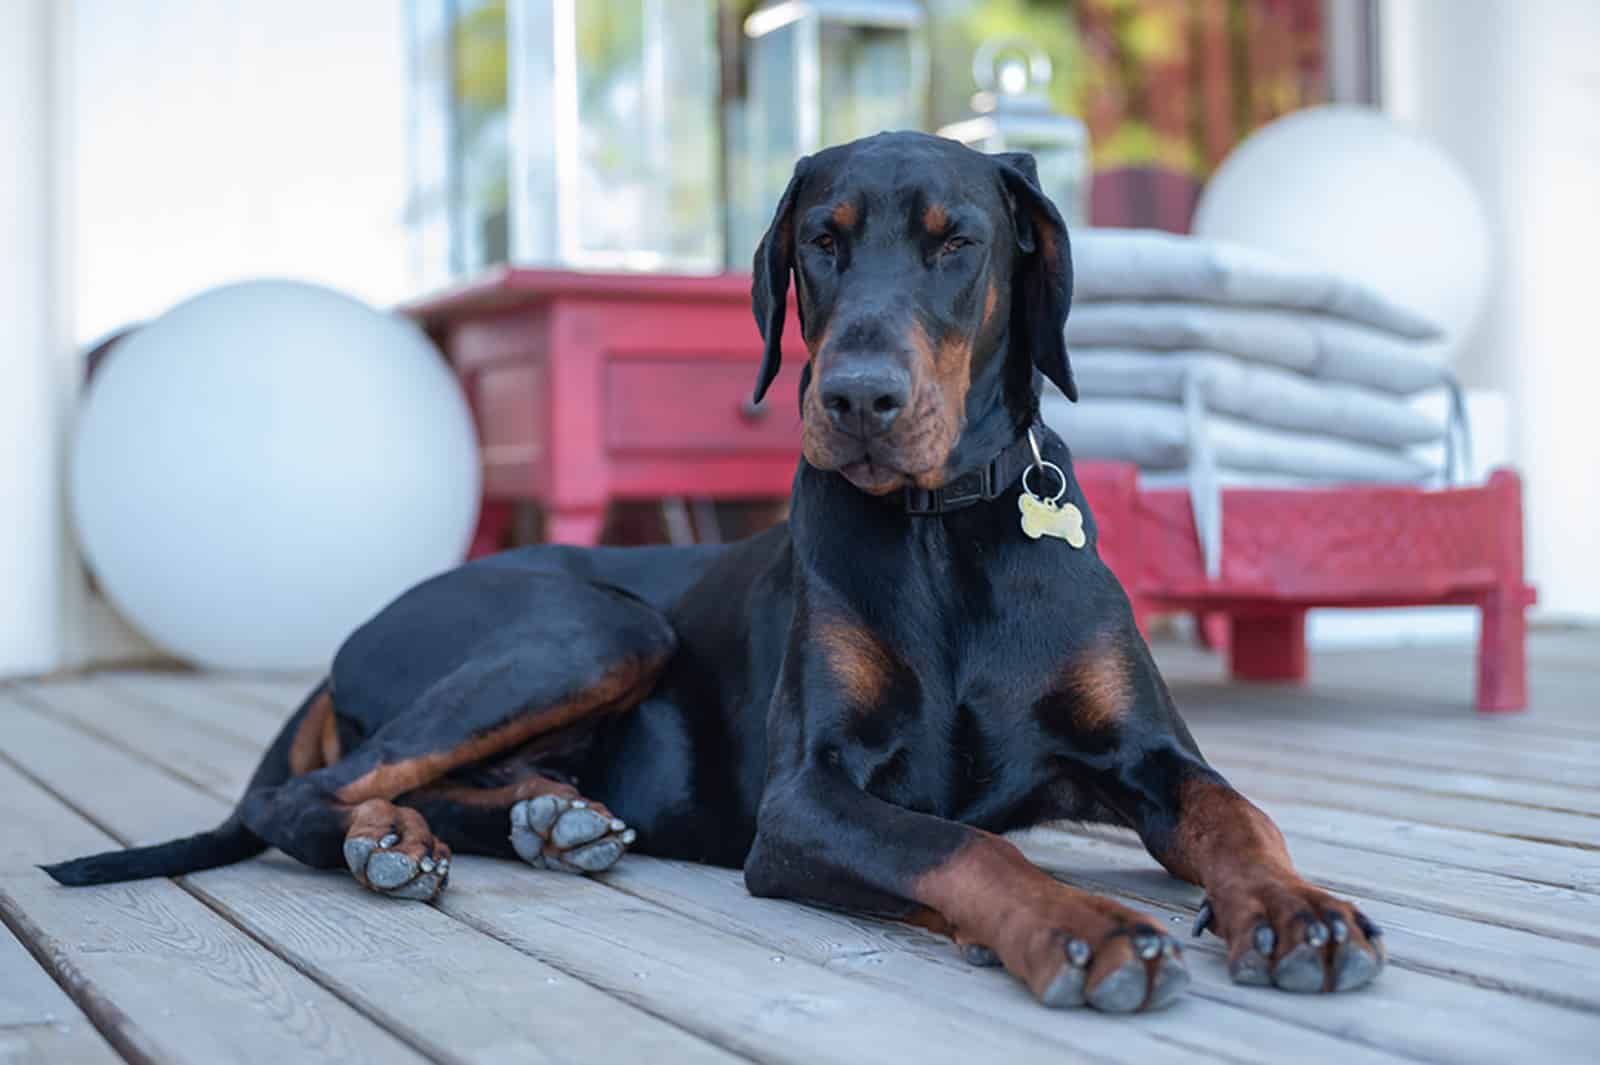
(1090, 951)
(1134, 966)
(570, 834)
(1290, 935)
(390, 850)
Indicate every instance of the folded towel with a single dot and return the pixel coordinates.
(1313, 344)
(1158, 436)
(1255, 392)
(1144, 264)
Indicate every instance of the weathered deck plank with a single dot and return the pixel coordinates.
(39, 1024)
(915, 961)
(165, 978)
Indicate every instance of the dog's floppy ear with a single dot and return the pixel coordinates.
(1042, 282)
(769, 285)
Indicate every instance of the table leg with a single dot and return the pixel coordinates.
(1269, 646)
(578, 526)
(494, 522)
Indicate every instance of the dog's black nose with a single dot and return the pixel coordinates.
(865, 396)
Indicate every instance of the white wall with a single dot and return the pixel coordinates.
(32, 546)
(221, 139)
(1512, 91)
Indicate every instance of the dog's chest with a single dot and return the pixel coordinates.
(968, 747)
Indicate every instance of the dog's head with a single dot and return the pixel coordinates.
(916, 263)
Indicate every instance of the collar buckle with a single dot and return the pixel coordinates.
(988, 481)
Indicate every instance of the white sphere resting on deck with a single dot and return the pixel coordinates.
(264, 466)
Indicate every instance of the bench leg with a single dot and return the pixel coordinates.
(1503, 633)
(1503, 655)
(1268, 646)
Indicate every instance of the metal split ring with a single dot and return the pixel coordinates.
(1053, 468)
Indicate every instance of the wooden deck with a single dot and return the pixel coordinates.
(1475, 843)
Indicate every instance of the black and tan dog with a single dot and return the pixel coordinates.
(850, 706)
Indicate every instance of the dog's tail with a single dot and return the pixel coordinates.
(229, 842)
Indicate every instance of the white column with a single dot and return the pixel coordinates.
(32, 545)
(1511, 90)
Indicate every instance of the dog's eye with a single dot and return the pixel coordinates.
(954, 244)
(823, 242)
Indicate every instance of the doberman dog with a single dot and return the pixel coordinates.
(851, 706)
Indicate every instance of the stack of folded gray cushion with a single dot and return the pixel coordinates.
(1207, 363)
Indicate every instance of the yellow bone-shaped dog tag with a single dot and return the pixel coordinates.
(1040, 517)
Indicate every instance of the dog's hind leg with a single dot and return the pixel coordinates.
(534, 676)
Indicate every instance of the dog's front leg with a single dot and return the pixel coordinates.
(1129, 747)
(820, 838)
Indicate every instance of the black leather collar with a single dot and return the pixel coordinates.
(989, 481)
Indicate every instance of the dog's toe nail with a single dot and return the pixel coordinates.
(1078, 952)
(1368, 928)
(578, 825)
(1170, 981)
(979, 955)
(579, 804)
(1316, 934)
(388, 841)
(617, 824)
(1338, 929)
(629, 836)
(1066, 989)
(1250, 969)
(1120, 992)
(1265, 939)
(421, 889)
(357, 849)
(1354, 967)
(596, 857)
(1203, 919)
(540, 812)
(1147, 945)
(390, 869)
(1300, 969)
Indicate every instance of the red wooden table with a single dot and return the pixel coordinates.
(589, 389)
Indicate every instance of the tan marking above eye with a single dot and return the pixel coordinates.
(844, 214)
(935, 219)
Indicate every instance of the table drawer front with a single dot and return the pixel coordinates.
(677, 405)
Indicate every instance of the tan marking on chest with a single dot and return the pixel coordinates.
(858, 661)
(1101, 684)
